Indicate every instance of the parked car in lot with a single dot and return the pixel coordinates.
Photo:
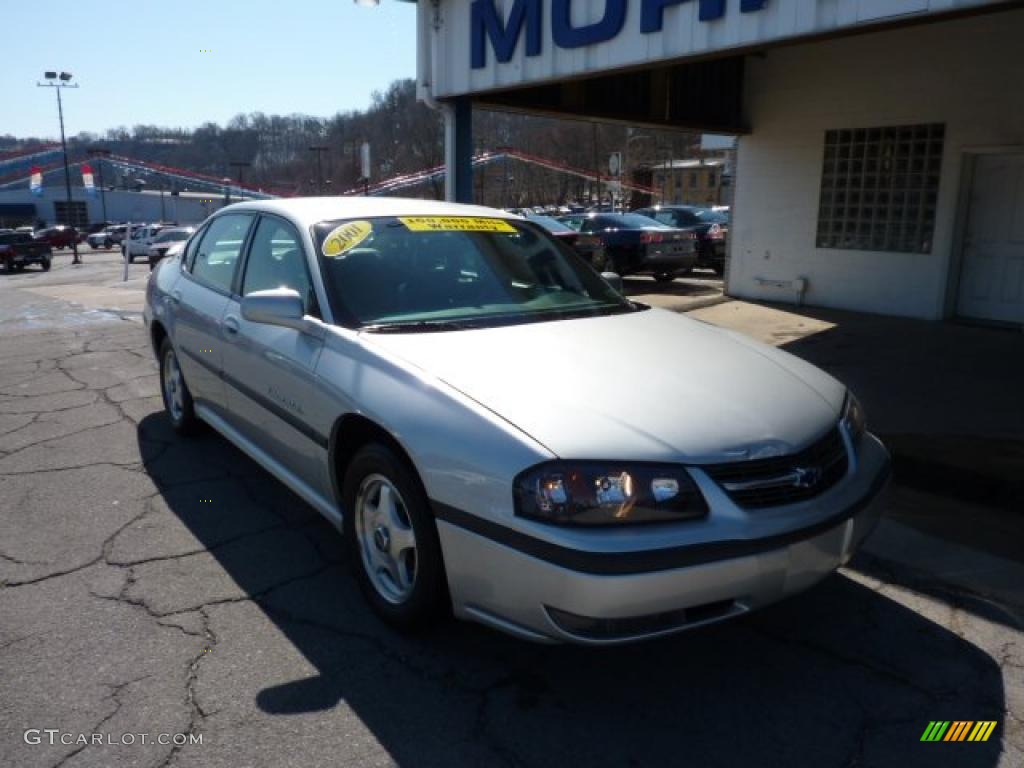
(163, 241)
(588, 246)
(494, 426)
(710, 227)
(108, 237)
(137, 246)
(58, 237)
(638, 245)
(19, 249)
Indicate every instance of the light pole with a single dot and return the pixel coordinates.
(240, 165)
(319, 149)
(63, 81)
(100, 154)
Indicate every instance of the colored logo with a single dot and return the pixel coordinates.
(959, 730)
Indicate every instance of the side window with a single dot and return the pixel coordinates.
(218, 251)
(590, 225)
(277, 260)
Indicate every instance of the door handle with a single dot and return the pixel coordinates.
(230, 324)
(175, 297)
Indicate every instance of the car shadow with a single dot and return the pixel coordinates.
(684, 285)
(839, 676)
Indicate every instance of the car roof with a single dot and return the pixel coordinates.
(312, 210)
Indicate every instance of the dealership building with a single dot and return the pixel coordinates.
(880, 158)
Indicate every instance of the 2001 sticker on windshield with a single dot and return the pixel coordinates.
(343, 239)
(455, 224)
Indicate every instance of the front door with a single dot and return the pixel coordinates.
(268, 369)
(992, 277)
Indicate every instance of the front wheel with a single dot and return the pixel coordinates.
(392, 538)
(45, 264)
(177, 398)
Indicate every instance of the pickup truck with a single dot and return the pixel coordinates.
(19, 249)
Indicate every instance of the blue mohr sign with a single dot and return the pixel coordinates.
(486, 23)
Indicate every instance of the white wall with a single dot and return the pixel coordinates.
(966, 73)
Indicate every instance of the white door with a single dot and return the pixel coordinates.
(992, 277)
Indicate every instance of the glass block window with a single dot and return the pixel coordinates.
(879, 188)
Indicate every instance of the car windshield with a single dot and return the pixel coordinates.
(708, 215)
(628, 221)
(550, 224)
(422, 273)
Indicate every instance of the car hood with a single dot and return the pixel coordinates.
(650, 385)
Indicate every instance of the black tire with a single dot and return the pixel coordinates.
(428, 597)
(600, 261)
(665, 277)
(186, 422)
(19, 267)
(9, 266)
(46, 264)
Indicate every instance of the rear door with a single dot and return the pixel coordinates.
(992, 280)
(268, 369)
(200, 299)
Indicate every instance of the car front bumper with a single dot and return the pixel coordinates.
(526, 594)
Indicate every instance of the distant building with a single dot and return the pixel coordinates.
(20, 207)
(693, 181)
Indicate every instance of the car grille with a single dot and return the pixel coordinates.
(784, 479)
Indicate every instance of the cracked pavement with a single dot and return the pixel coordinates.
(151, 584)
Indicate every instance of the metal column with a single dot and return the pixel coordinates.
(460, 149)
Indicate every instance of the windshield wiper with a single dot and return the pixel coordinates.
(420, 325)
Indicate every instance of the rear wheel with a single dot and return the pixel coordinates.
(45, 263)
(392, 538)
(177, 398)
(9, 265)
(665, 277)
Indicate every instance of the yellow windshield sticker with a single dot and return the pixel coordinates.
(455, 224)
(346, 237)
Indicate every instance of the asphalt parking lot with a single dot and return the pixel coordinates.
(154, 585)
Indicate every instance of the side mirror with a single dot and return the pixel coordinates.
(280, 306)
(614, 280)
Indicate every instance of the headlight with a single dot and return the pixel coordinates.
(853, 418)
(593, 493)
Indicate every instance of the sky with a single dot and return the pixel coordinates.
(180, 63)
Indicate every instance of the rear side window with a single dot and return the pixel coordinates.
(217, 255)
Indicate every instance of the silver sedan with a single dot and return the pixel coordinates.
(495, 428)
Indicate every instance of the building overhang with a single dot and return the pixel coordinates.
(663, 63)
